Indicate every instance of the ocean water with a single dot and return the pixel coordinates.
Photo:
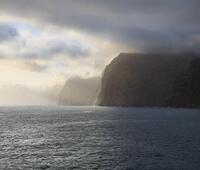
(99, 138)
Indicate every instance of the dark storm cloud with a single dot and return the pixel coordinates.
(7, 32)
(145, 24)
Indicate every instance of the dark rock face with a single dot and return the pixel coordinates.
(186, 88)
(151, 80)
(79, 91)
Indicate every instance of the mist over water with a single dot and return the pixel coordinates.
(18, 95)
(80, 91)
(76, 91)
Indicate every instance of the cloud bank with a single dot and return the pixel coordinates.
(25, 43)
(146, 25)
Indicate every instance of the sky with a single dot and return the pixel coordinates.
(45, 42)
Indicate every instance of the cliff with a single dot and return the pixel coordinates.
(147, 80)
(80, 91)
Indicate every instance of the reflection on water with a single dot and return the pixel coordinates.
(99, 138)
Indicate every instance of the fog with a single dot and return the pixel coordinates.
(76, 91)
(80, 91)
(17, 95)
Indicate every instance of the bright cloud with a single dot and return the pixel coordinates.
(35, 43)
(52, 54)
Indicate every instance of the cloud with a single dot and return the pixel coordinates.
(7, 32)
(50, 48)
(147, 25)
(34, 66)
(73, 48)
(26, 41)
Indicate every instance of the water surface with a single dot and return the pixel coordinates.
(99, 138)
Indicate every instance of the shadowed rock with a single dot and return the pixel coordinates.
(151, 80)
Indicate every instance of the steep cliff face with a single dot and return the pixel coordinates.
(151, 80)
(79, 91)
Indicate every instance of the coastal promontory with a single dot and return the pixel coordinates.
(148, 80)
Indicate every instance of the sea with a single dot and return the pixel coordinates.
(105, 138)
